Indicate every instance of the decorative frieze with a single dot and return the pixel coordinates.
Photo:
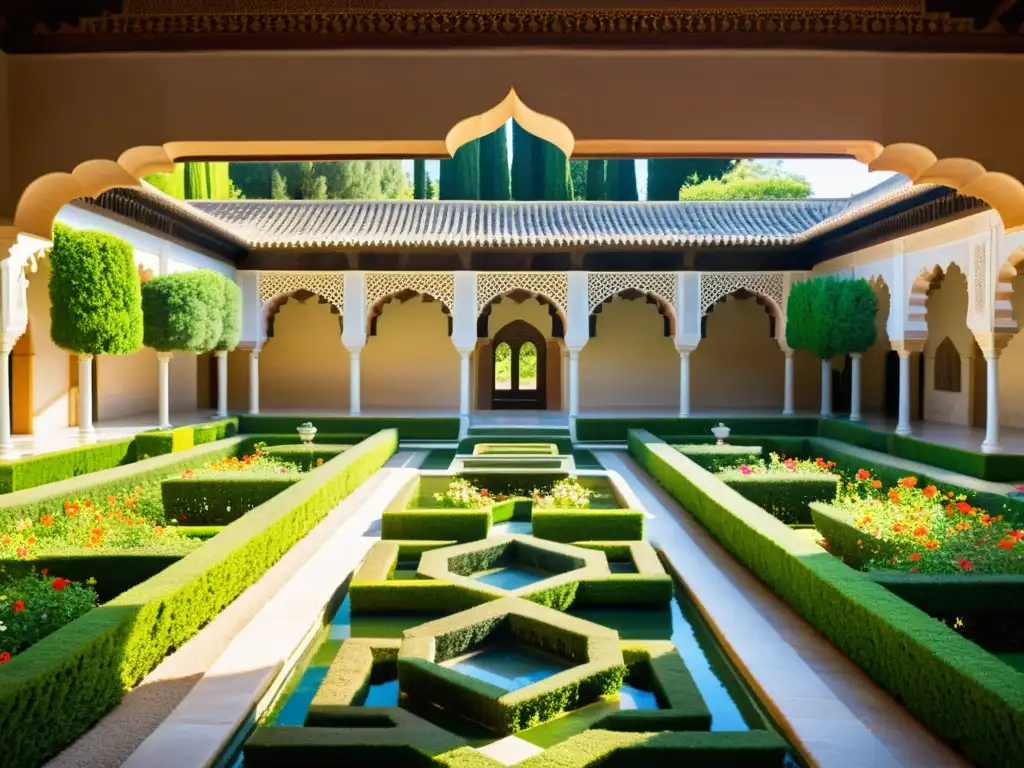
(437, 285)
(328, 285)
(603, 285)
(553, 286)
(715, 285)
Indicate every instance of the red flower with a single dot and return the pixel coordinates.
(915, 556)
(930, 491)
(59, 584)
(67, 505)
(921, 531)
(908, 482)
(966, 564)
(1006, 544)
(19, 606)
(5, 657)
(483, 492)
(863, 474)
(931, 544)
(1017, 535)
(963, 506)
(44, 571)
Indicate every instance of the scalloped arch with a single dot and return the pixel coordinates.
(543, 126)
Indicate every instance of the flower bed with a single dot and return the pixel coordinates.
(784, 486)
(34, 605)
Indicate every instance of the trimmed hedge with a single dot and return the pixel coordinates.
(34, 502)
(956, 595)
(918, 660)
(307, 456)
(588, 524)
(33, 471)
(431, 428)
(167, 441)
(715, 458)
(615, 430)
(594, 650)
(847, 542)
(436, 524)
(787, 496)
(515, 449)
(219, 500)
(625, 590)
(349, 677)
(58, 688)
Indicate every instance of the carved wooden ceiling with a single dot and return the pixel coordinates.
(117, 25)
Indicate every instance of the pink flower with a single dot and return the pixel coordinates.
(746, 470)
(790, 464)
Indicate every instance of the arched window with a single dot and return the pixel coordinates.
(528, 366)
(947, 367)
(503, 366)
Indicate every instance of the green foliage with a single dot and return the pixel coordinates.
(596, 171)
(344, 180)
(197, 182)
(557, 180)
(603, 429)
(494, 171)
(311, 185)
(409, 429)
(527, 164)
(828, 316)
(176, 440)
(349, 676)
(920, 661)
(95, 303)
(620, 180)
(33, 606)
(436, 524)
(715, 458)
(184, 311)
(306, 457)
(172, 183)
(973, 595)
(748, 180)
(278, 186)
(587, 525)
(578, 175)
(460, 176)
(110, 649)
(665, 176)
(788, 496)
(219, 500)
(43, 468)
(625, 590)
(421, 596)
(231, 314)
(419, 179)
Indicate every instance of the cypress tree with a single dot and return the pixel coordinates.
(557, 182)
(494, 175)
(196, 182)
(527, 164)
(620, 182)
(595, 180)
(419, 179)
(665, 176)
(463, 174)
(278, 186)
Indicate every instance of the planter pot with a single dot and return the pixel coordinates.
(721, 433)
(306, 434)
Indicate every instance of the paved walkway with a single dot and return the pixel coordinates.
(823, 702)
(113, 740)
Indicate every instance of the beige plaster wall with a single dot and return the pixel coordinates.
(184, 394)
(630, 362)
(947, 317)
(505, 310)
(303, 366)
(1011, 366)
(126, 385)
(50, 384)
(6, 194)
(411, 362)
(238, 380)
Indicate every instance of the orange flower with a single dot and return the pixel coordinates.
(908, 482)
(158, 531)
(46, 520)
(1006, 544)
(921, 531)
(30, 540)
(111, 499)
(894, 496)
(96, 532)
(863, 474)
(876, 484)
(915, 556)
(930, 491)
(67, 505)
(963, 506)
(7, 540)
(320, 461)
(73, 512)
(931, 544)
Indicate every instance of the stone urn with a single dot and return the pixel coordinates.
(721, 432)
(306, 433)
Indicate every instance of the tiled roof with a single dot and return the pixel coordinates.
(358, 224)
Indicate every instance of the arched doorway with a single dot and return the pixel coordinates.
(519, 370)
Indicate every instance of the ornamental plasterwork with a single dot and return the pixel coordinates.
(437, 285)
(327, 285)
(715, 285)
(979, 265)
(553, 286)
(603, 285)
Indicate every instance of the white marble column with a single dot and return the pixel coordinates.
(222, 382)
(163, 361)
(574, 383)
(991, 444)
(5, 401)
(826, 388)
(355, 377)
(464, 383)
(684, 383)
(85, 394)
(787, 403)
(254, 381)
(903, 422)
(855, 385)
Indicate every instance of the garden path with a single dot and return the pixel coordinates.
(830, 709)
(184, 698)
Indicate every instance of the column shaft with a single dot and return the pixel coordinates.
(464, 380)
(85, 394)
(991, 444)
(826, 388)
(5, 401)
(163, 362)
(855, 386)
(684, 383)
(787, 404)
(903, 423)
(222, 383)
(254, 381)
(574, 383)
(354, 378)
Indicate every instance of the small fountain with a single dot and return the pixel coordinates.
(721, 433)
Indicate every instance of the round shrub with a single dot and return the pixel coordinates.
(184, 311)
(231, 332)
(95, 306)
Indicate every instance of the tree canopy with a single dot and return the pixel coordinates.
(829, 316)
(231, 309)
(184, 312)
(749, 180)
(665, 176)
(95, 306)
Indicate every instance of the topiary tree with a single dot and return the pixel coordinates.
(183, 312)
(95, 305)
(855, 317)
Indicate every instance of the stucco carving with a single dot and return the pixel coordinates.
(603, 285)
(715, 285)
(979, 282)
(553, 286)
(437, 285)
(329, 285)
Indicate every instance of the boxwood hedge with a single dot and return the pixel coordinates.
(786, 496)
(715, 458)
(436, 524)
(219, 500)
(58, 688)
(569, 525)
(922, 663)
(33, 471)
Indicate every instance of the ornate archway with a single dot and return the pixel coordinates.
(518, 341)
